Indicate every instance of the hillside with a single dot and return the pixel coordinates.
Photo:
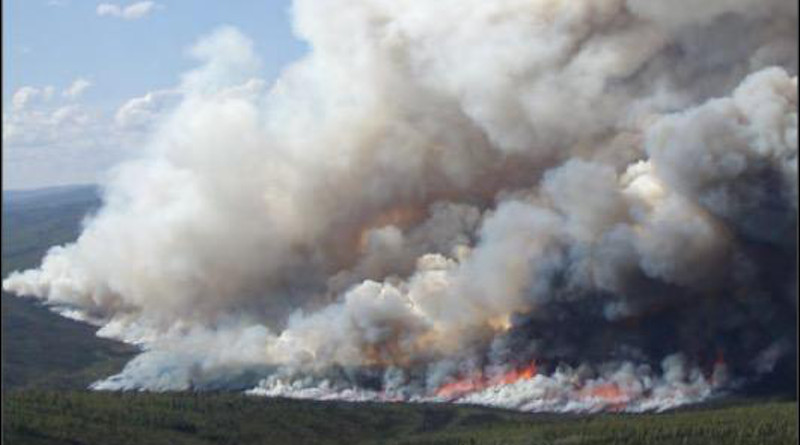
(40, 348)
(46, 358)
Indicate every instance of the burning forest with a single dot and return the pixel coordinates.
(543, 205)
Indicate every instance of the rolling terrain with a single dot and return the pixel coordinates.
(40, 348)
(48, 360)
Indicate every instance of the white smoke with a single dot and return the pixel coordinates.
(435, 178)
(617, 387)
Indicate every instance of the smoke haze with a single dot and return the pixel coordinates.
(535, 204)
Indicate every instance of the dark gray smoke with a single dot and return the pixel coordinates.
(538, 204)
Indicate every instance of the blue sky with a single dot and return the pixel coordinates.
(109, 53)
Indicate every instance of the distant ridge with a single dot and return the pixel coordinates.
(16, 196)
(39, 348)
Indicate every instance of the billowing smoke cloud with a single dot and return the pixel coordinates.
(536, 204)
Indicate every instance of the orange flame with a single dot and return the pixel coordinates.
(478, 381)
(462, 386)
(615, 397)
(515, 375)
(718, 367)
(720, 360)
(609, 392)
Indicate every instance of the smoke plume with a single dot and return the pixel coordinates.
(535, 204)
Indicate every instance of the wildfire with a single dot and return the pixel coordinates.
(610, 392)
(400, 216)
(462, 386)
(720, 360)
(479, 381)
(718, 370)
(614, 397)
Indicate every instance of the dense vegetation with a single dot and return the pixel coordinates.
(41, 417)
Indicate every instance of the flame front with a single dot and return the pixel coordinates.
(428, 202)
(478, 382)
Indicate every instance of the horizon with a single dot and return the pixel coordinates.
(85, 82)
(534, 205)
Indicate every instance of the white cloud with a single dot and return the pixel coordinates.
(10, 129)
(133, 11)
(77, 88)
(39, 117)
(26, 95)
(56, 142)
(23, 96)
(109, 10)
(70, 114)
(141, 112)
(138, 10)
(48, 92)
(52, 137)
(42, 126)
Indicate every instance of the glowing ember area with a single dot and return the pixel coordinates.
(524, 373)
(446, 191)
(720, 360)
(461, 387)
(479, 381)
(612, 387)
(610, 394)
